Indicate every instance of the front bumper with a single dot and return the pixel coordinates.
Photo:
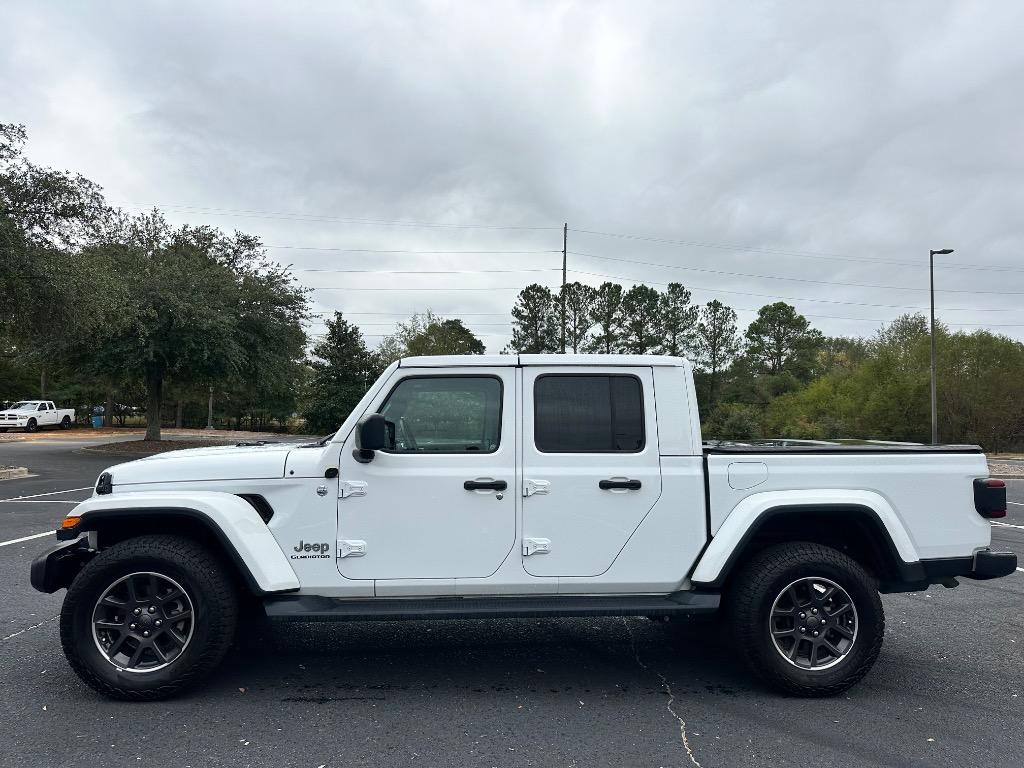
(56, 567)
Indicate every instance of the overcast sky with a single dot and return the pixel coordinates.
(819, 151)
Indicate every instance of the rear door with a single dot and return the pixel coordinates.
(591, 469)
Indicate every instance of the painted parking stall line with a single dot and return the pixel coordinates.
(41, 495)
(26, 538)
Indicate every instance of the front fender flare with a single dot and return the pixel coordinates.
(234, 522)
(747, 516)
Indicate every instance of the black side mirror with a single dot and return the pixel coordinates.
(371, 435)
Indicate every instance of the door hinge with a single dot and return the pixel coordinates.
(539, 487)
(536, 547)
(348, 488)
(351, 548)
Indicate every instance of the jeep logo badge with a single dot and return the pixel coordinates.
(306, 551)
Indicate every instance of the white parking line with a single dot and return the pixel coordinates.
(1016, 503)
(38, 501)
(51, 493)
(26, 538)
(1008, 525)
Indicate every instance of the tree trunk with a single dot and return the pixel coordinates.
(42, 384)
(154, 390)
(179, 414)
(108, 409)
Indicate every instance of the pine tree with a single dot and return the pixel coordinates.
(641, 321)
(606, 314)
(579, 301)
(535, 321)
(343, 369)
(717, 343)
(678, 321)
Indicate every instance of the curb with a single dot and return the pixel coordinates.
(11, 473)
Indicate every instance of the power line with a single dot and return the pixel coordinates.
(400, 251)
(795, 253)
(292, 216)
(424, 271)
(791, 279)
(490, 288)
(409, 314)
(792, 298)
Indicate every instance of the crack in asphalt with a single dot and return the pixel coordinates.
(668, 690)
(26, 629)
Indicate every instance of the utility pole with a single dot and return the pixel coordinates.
(931, 291)
(565, 241)
(209, 410)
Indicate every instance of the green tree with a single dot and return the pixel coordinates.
(578, 300)
(717, 343)
(395, 346)
(199, 307)
(606, 314)
(641, 321)
(780, 340)
(446, 337)
(535, 321)
(678, 321)
(342, 369)
(45, 218)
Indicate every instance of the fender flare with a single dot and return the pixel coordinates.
(229, 518)
(724, 550)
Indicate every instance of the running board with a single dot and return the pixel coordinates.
(319, 608)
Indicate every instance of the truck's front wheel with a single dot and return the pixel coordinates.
(807, 618)
(32, 425)
(148, 617)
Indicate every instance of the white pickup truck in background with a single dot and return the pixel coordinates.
(518, 486)
(31, 415)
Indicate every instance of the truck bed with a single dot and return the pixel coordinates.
(785, 446)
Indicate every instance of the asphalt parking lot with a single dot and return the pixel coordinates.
(948, 688)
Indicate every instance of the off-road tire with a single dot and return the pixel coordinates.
(32, 425)
(65, 423)
(749, 603)
(208, 585)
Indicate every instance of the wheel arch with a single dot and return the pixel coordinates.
(876, 539)
(230, 526)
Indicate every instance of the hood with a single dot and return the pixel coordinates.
(229, 462)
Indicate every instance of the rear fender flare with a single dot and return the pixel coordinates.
(724, 550)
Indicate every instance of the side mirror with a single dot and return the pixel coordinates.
(371, 435)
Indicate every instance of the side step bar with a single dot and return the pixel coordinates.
(318, 608)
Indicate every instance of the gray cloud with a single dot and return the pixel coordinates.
(871, 132)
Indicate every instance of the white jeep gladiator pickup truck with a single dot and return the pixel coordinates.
(517, 486)
(30, 415)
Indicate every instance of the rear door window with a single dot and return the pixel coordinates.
(588, 414)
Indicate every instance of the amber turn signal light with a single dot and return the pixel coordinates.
(70, 522)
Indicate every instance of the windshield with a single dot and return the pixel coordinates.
(26, 405)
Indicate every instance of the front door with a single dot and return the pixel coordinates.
(591, 468)
(439, 503)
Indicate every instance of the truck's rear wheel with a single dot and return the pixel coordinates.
(807, 618)
(148, 617)
(65, 423)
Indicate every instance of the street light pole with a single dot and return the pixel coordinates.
(931, 292)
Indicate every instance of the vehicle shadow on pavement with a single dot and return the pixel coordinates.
(604, 656)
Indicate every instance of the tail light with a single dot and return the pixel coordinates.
(990, 497)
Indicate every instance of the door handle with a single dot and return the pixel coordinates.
(485, 485)
(629, 485)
